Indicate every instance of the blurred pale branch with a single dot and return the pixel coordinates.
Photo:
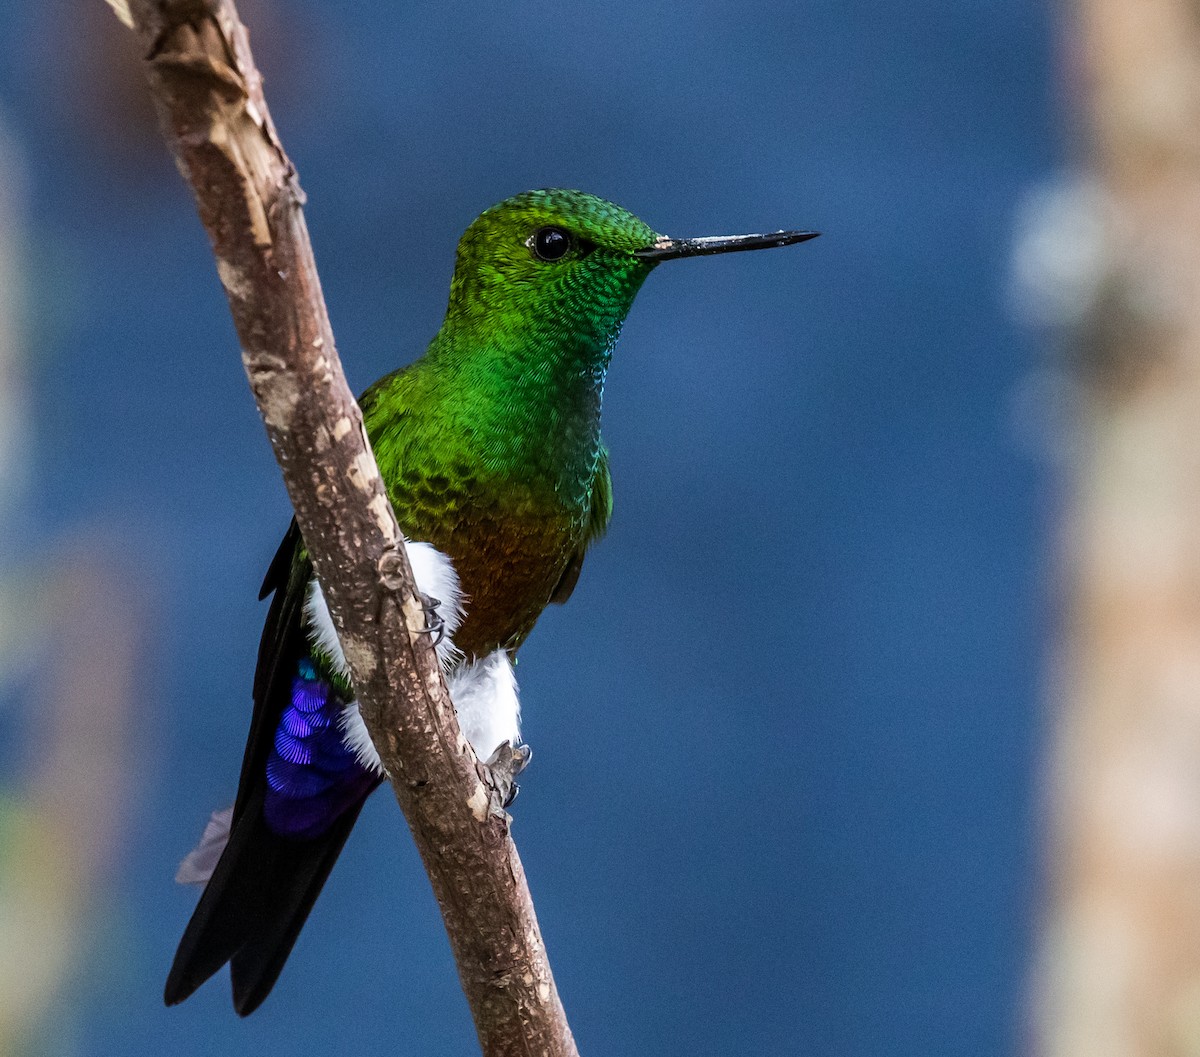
(1120, 966)
(208, 93)
(60, 833)
(70, 619)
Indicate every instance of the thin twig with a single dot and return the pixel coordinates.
(209, 96)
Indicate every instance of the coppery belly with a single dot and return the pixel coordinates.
(508, 567)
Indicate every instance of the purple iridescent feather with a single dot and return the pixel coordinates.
(312, 777)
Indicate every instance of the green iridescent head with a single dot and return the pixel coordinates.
(555, 272)
(569, 258)
(550, 258)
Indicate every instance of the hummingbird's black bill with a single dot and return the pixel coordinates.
(666, 249)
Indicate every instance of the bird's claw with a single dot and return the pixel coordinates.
(434, 624)
(504, 765)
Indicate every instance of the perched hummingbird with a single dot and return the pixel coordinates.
(489, 446)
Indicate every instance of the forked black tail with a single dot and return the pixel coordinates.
(254, 906)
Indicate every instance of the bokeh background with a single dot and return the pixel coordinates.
(789, 730)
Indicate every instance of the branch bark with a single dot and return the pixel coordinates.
(209, 97)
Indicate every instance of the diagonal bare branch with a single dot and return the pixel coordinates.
(209, 97)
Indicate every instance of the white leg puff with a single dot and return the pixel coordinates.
(485, 698)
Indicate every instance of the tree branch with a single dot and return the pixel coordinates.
(1120, 959)
(209, 96)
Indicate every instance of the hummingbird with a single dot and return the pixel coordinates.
(489, 447)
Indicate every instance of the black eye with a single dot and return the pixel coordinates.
(550, 244)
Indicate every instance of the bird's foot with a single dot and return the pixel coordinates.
(505, 764)
(434, 624)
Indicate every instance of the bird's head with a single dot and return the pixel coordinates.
(559, 261)
(550, 258)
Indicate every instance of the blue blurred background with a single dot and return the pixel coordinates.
(786, 731)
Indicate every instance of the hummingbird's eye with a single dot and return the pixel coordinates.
(550, 244)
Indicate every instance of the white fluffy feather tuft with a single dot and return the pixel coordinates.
(356, 738)
(435, 577)
(485, 697)
(320, 627)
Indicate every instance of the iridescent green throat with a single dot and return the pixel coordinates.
(533, 382)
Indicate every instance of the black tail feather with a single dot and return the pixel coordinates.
(303, 868)
(253, 908)
(225, 913)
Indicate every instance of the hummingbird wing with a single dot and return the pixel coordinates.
(599, 516)
(300, 792)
